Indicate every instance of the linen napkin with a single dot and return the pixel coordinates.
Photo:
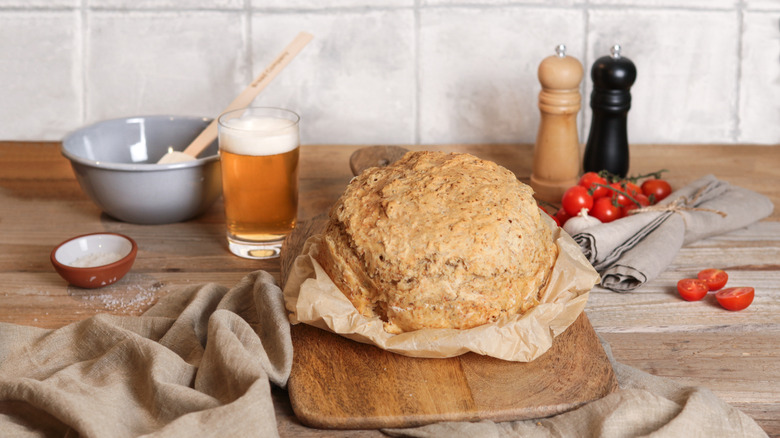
(200, 364)
(197, 364)
(631, 251)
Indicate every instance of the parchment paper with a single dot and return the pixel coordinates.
(311, 297)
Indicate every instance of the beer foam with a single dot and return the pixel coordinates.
(253, 135)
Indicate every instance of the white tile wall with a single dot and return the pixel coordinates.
(354, 83)
(678, 4)
(478, 73)
(759, 103)
(166, 4)
(390, 71)
(686, 86)
(31, 4)
(167, 62)
(502, 2)
(328, 4)
(40, 73)
(765, 5)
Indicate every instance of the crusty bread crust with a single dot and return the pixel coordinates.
(437, 240)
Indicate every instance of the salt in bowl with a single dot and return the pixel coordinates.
(94, 260)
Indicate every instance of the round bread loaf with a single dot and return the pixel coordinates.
(437, 240)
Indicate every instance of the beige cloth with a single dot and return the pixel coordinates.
(201, 361)
(197, 364)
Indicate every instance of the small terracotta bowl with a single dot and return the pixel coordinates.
(94, 260)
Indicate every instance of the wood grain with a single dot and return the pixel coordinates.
(337, 383)
(735, 354)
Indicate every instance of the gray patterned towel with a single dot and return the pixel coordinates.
(632, 251)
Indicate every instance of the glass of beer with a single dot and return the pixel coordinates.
(259, 150)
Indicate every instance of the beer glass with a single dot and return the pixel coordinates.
(259, 150)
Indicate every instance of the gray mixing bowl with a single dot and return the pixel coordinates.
(115, 164)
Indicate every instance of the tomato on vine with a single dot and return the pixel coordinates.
(643, 201)
(656, 189)
(631, 188)
(619, 196)
(595, 184)
(605, 210)
(575, 199)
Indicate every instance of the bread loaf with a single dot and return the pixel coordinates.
(437, 240)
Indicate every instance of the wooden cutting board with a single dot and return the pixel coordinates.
(337, 383)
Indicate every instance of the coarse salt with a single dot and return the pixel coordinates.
(134, 298)
(96, 259)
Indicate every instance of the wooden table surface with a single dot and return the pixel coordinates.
(735, 354)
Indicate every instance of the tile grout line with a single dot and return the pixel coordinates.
(83, 59)
(416, 6)
(585, 73)
(736, 122)
(249, 47)
(417, 80)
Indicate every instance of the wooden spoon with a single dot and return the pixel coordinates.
(205, 138)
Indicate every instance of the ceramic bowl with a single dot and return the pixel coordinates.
(115, 162)
(94, 260)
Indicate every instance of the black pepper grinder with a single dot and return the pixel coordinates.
(607, 146)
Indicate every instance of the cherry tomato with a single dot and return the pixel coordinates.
(561, 217)
(735, 298)
(692, 289)
(631, 188)
(620, 198)
(575, 199)
(589, 181)
(605, 210)
(639, 197)
(715, 278)
(656, 189)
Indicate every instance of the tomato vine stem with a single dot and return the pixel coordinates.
(622, 192)
(611, 177)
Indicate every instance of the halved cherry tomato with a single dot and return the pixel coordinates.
(715, 278)
(561, 217)
(576, 198)
(692, 289)
(605, 210)
(656, 189)
(735, 298)
(589, 180)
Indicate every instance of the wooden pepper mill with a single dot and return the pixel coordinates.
(607, 146)
(556, 164)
